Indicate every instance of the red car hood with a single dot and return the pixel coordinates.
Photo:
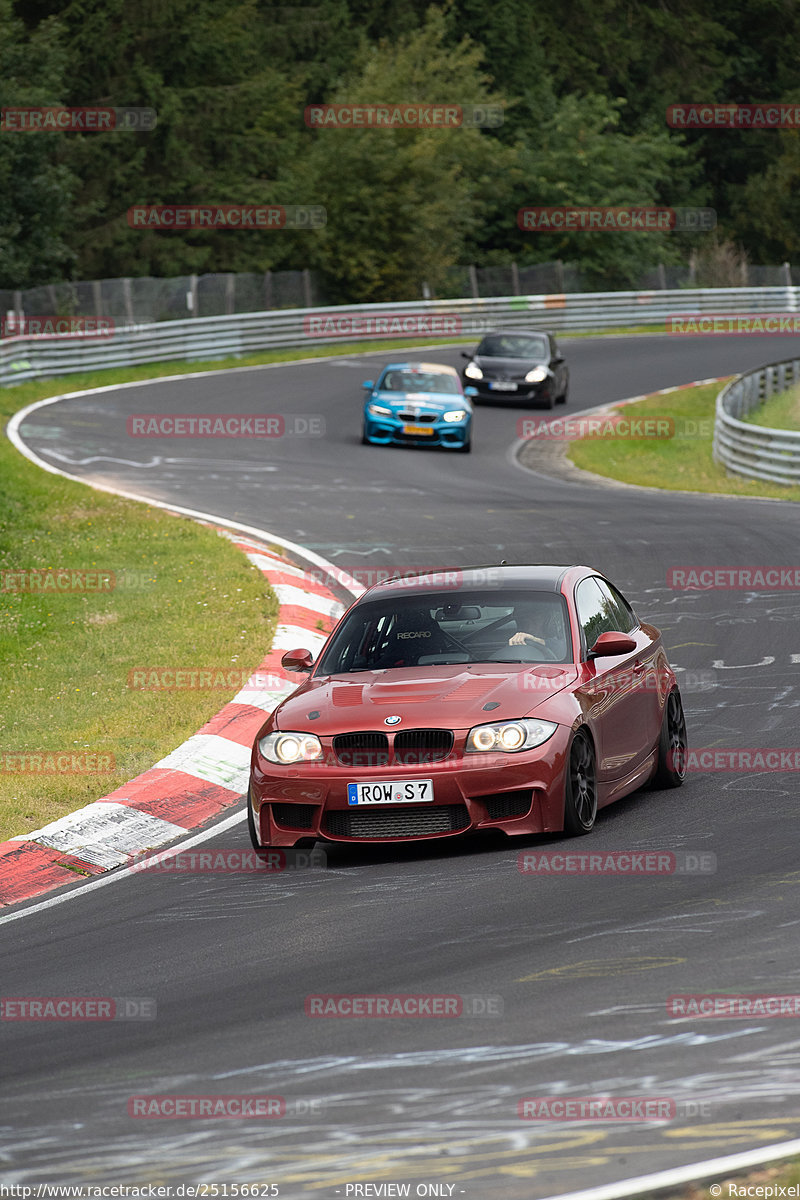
(450, 697)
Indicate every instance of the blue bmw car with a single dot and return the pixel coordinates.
(418, 404)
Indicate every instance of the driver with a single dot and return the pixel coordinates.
(548, 625)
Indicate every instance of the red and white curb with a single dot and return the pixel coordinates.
(199, 779)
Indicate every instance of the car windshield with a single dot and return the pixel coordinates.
(420, 381)
(513, 345)
(446, 627)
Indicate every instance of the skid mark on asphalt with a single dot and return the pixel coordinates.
(599, 968)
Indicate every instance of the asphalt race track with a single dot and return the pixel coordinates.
(581, 966)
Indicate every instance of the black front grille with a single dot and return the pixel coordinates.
(361, 749)
(295, 816)
(398, 822)
(418, 418)
(415, 747)
(502, 805)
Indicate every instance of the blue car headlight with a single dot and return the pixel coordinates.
(378, 410)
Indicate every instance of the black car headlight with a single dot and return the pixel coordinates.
(537, 375)
(510, 736)
(285, 748)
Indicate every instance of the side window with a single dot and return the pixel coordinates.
(627, 617)
(596, 612)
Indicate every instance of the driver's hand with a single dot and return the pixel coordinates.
(522, 639)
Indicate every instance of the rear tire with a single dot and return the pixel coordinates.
(580, 787)
(672, 744)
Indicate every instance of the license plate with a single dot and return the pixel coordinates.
(418, 430)
(409, 791)
(499, 385)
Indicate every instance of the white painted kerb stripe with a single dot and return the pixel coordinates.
(105, 833)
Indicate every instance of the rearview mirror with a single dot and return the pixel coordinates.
(297, 660)
(368, 383)
(464, 354)
(612, 643)
(470, 391)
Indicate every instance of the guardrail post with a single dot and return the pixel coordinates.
(230, 287)
(473, 282)
(515, 278)
(268, 289)
(128, 300)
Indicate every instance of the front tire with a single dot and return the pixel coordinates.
(562, 399)
(467, 447)
(672, 744)
(580, 787)
(364, 438)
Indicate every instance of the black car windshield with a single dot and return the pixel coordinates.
(447, 627)
(419, 381)
(513, 345)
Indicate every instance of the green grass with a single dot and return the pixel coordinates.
(191, 600)
(680, 463)
(779, 412)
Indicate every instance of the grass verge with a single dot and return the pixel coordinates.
(779, 412)
(681, 462)
(175, 594)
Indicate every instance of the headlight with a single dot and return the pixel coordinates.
(457, 414)
(473, 371)
(287, 748)
(536, 375)
(510, 736)
(378, 410)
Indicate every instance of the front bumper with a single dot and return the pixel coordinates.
(532, 392)
(389, 431)
(523, 794)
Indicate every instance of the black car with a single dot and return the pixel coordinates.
(511, 364)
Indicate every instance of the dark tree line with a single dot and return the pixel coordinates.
(584, 88)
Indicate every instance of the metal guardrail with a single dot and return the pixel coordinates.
(755, 450)
(205, 338)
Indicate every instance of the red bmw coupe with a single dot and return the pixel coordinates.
(514, 698)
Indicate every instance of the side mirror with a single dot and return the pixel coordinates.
(368, 383)
(611, 643)
(297, 660)
(464, 354)
(470, 391)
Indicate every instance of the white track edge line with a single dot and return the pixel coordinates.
(675, 1176)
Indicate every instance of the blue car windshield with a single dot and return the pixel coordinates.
(419, 381)
(443, 628)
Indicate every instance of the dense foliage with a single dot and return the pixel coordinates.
(584, 86)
